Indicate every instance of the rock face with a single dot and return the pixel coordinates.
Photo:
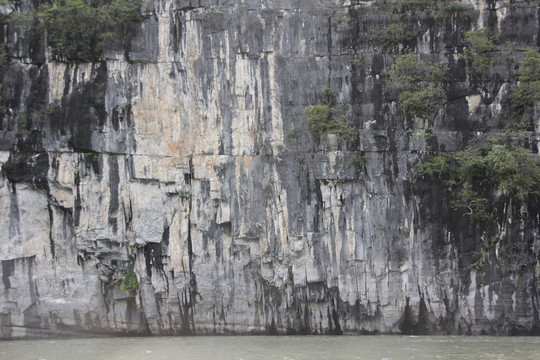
(184, 156)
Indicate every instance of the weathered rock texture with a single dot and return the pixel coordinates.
(184, 154)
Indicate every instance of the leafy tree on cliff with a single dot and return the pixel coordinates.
(528, 91)
(78, 31)
(478, 176)
(329, 118)
(420, 86)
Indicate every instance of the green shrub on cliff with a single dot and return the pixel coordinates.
(78, 31)
(423, 103)
(479, 46)
(456, 8)
(404, 6)
(390, 37)
(75, 31)
(478, 175)
(528, 91)
(430, 8)
(130, 282)
(410, 72)
(420, 85)
(438, 167)
(329, 118)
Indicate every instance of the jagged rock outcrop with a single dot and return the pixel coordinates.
(183, 155)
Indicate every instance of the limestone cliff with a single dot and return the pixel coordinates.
(181, 154)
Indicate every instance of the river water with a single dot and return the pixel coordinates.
(275, 348)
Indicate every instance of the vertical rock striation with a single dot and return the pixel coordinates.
(183, 156)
